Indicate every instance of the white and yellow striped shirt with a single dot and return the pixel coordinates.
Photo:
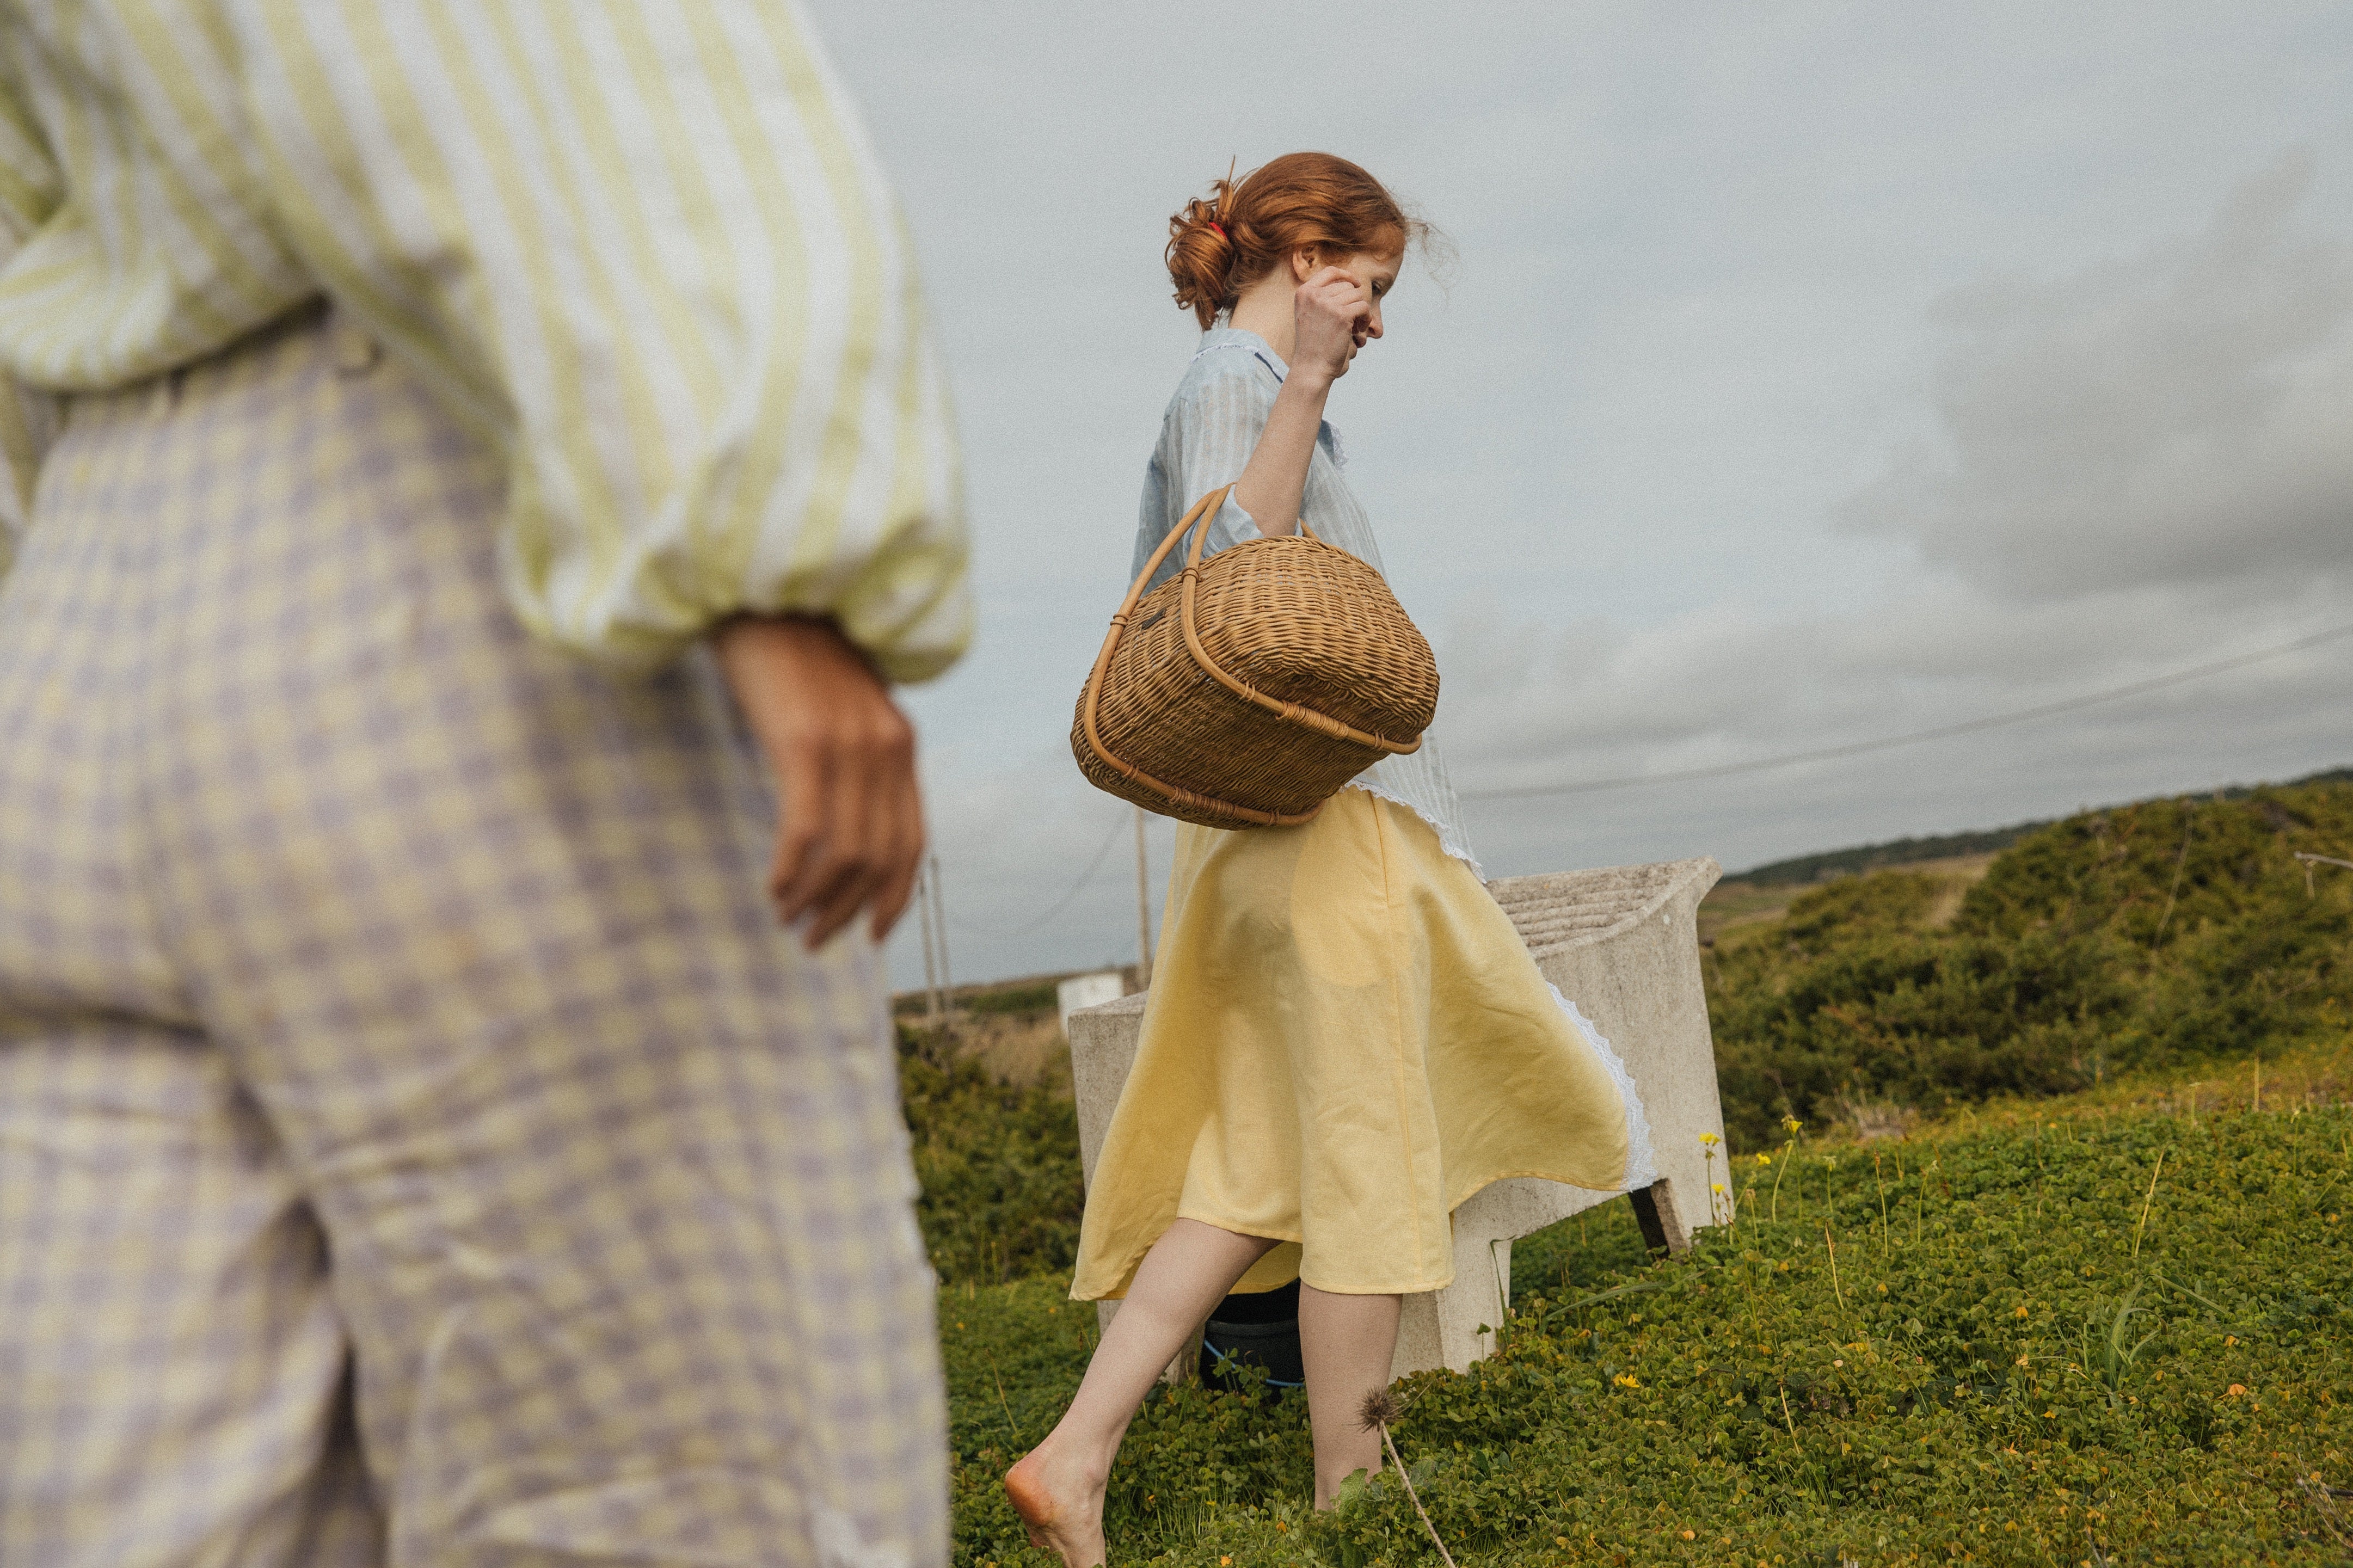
(644, 248)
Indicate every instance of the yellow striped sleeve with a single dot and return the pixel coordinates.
(29, 193)
(648, 250)
(151, 250)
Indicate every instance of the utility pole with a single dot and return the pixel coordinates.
(931, 964)
(940, 915)
(1143, 909)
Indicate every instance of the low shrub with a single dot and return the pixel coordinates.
(1039, 997)
(998, 1164)
(2169, 931)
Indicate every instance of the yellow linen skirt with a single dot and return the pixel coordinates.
(1345, 1040)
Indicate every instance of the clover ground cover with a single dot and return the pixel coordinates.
(2016, 1339)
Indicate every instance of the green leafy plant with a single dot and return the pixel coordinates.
(996, 1165)
(1726, 1393)
(2105, 1353)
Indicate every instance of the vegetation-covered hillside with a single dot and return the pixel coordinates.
(998, 1163)
(2165, 932)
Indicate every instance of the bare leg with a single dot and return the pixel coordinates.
(1348, 1344)
(1058, 1486)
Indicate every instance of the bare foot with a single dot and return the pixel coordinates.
(1060, 1503)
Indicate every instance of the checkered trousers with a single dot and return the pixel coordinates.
(418, 1145)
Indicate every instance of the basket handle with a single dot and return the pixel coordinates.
(1289, 711)
(1206, 506)
(1195, 522)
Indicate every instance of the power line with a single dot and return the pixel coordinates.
(1064, 902)
(1968, 727)
(1826, 753)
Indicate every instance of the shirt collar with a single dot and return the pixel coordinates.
(1226, 336)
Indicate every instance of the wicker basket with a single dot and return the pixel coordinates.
(1248, 691)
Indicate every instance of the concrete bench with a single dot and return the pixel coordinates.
(1623, 945)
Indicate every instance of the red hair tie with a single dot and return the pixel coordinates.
(1221, 232)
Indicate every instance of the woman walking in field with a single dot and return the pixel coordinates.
(1345, 1038)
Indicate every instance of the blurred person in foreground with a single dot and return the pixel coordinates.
(472, 473)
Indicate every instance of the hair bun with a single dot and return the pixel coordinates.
(1201, 255)
(1301, 200)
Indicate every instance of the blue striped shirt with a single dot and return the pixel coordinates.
(1207, 437)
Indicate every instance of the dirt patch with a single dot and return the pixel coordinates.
(1017, 1048)
(1736, 908)
(1959, 873)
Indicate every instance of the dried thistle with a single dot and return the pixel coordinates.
(1380, 1408)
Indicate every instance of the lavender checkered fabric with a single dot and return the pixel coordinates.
(417, 1144)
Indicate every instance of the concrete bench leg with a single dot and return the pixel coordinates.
(1654, 1211)
(1623, 945)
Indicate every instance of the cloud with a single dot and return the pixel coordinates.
(2178, 418)
(2133, 468)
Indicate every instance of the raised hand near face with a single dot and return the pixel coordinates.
(1334, 313)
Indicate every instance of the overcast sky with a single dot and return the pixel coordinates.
(1810, 374)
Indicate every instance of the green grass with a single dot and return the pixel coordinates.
(998, 1164)
(1969, 1346)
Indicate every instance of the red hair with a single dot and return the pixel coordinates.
(1301, 201)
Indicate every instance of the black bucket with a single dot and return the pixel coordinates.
(1257, 1329)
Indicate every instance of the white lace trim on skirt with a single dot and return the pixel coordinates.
(1450, 837)
(1641, 1161)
